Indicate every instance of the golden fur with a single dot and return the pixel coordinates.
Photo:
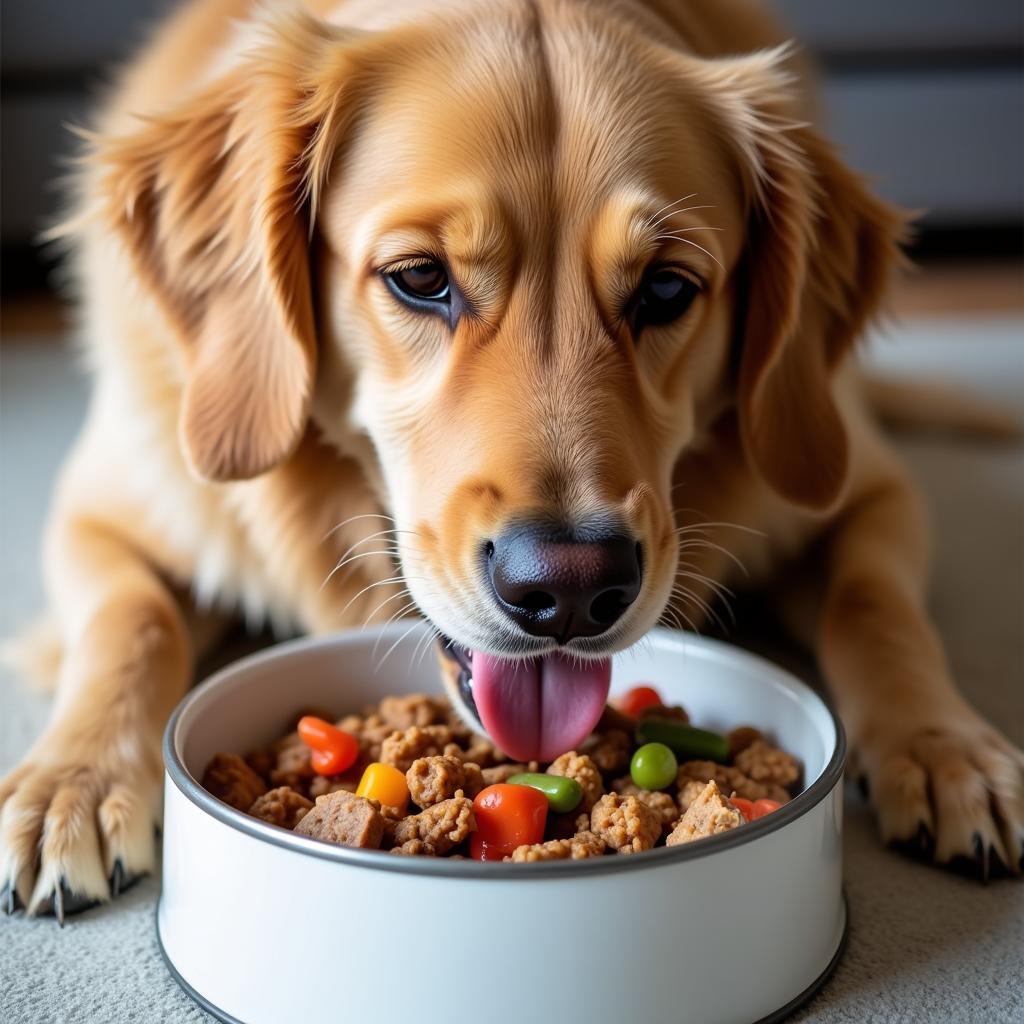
(256, 385)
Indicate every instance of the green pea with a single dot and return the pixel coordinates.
(685, 741)
(563, 794)
(654, 766)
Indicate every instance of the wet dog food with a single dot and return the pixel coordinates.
(407, 776)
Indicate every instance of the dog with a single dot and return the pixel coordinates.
(534, 317)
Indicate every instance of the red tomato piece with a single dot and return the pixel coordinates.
(331, 762)
(765, 806)
(633, 701)
(317, 733)
(745, 807)
(334, 750)
(508, 816)
(479, 850)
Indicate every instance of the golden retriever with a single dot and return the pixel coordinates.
(541, 312)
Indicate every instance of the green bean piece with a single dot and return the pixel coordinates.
(685, 741)
(563, 794)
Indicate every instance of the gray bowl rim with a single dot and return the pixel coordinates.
(377, 860)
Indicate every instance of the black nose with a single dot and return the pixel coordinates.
(563, 588)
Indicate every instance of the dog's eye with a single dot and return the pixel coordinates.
(664, 295)
(424, 282)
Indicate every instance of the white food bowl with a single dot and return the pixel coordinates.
(267, 927)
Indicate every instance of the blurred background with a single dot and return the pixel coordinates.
(926, 96)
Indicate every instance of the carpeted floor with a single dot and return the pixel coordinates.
(925, 946)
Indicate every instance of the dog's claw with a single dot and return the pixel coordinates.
(920, 846)
(974, 865)
(981, 857)
(63, 903)
(116, 877)
(925, 841)
(9, 901)
(58, 903)
(121, 880)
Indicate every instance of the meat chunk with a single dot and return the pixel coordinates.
(504, 772)
(344, 819)
(433, 779)
(262, 762)
(573, 765)
(610, 750)
(661, 803)
(467, 746)
(415, 848)
(440, 827)
(324, 784)
(625, 823)
(674, 711)
(578, 847)
(402, 748)
(768, 765)
(707, 815)
(728, 778)
(293, 766)
(741, 737)
(282, 806)
(415, 709)
(230, 779)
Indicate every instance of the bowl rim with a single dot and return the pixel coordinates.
(377, 860)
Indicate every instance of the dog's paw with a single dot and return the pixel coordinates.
(76, 824)
(950, 790)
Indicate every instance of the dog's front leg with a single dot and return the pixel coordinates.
(77, 815)
(942, 779)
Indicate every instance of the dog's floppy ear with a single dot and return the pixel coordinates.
(819, 251)
(213, 201)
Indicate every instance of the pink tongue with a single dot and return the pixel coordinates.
(536, 710)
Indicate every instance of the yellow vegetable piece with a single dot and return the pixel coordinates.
(386, 784)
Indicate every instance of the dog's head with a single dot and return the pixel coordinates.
(531, 260)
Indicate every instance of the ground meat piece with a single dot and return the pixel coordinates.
(767, 764)
(625, 823)
(580, 846)
(688, 793)
(415, 848)
(230, 779)
(442, 826)
(262, 762)
(613, 718)
(345, 819)
(402, 748)
(674, 711)
(728, 779)
(461, 732)
(282, 806)
(293, 766)
(740, 738)
(610, 750)
(415, 709)
(324, 784)
(371, 736)
(433, 779)
(352, 724)
(581, 768)
(661, 803)
(707, 815)
(504, 772)
(476, 749)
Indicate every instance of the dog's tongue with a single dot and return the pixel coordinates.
(537, 709)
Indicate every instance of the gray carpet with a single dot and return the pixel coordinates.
(924, 946)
